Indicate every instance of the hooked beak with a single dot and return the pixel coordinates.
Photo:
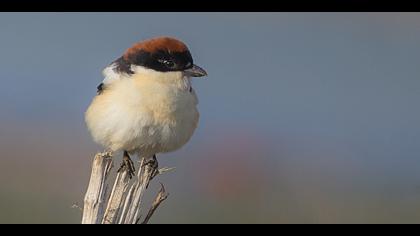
(195, 71)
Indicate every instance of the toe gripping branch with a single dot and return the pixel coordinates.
(128, 165)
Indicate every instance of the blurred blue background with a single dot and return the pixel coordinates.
(305, 117)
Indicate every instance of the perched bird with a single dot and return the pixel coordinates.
(146, 104)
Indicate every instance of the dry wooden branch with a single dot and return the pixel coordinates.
(124, 202)
(96, 193)
(161, 196)
(116, 198)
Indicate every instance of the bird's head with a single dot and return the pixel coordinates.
(162, 54)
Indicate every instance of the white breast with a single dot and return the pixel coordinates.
(148, 112)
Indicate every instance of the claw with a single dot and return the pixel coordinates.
(152, 162)
(154, 165)
(128, 165)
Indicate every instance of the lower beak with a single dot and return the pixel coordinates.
(195, 71)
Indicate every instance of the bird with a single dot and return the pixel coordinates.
(146, 104)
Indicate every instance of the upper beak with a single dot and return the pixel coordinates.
(195, 71)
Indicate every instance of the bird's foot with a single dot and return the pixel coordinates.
(154, 166)
(127, 165)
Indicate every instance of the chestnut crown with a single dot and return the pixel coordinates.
(161, 54)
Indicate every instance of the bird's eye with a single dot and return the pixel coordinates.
(167, 63)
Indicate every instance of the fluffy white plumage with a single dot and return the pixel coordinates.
(147, 112)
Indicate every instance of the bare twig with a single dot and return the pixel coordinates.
(76, 206)
(96, 193)
(123, 204)
(161, 196)
(116, 198)
(127, 203)
(165, 169)
(148, 170)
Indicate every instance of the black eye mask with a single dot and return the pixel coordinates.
(161, 60)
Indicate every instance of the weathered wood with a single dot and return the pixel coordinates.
(148, 169)
(116, 198)
(161, 196)
(95, 197)
(123, 204)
